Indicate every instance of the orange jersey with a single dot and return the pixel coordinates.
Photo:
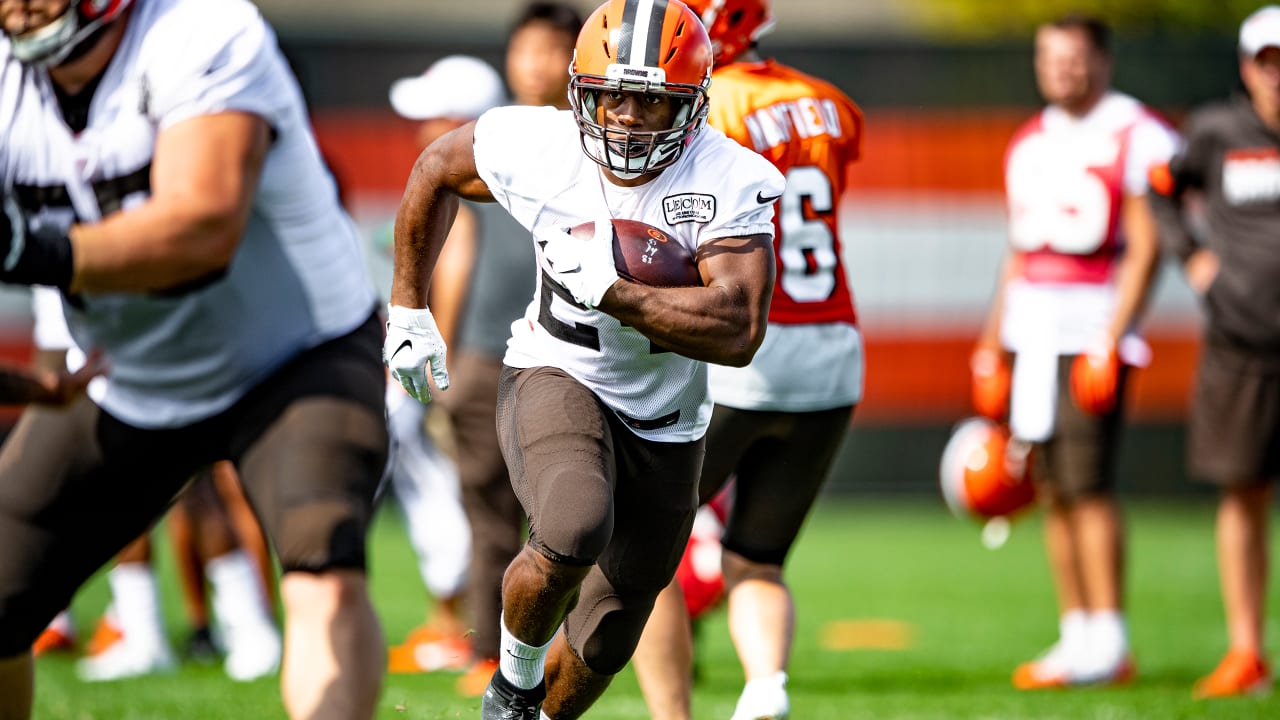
(811, 132)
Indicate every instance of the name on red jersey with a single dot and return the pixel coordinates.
(803, 118)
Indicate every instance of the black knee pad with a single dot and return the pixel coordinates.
(605, 635)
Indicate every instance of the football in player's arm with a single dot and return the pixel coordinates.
(603, 401)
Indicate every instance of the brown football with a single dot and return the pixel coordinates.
(644, 254)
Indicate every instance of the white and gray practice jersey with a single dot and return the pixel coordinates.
(297, 278)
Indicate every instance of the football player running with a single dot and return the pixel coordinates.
(1083, 249)
(603, 400)
(159, 170)
(779, 421)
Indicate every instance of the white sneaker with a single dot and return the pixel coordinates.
(251, 655)
(125, 660)
(764, 699)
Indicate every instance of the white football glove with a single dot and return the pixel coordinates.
(584, 267)
(413, 341)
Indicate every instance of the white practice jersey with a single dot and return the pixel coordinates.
(533, 163)
(297, 278)
(1066, 179)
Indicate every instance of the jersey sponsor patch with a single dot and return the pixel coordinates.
(689, 207)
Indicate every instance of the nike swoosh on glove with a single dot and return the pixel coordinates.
(412, 344)
(583, 267)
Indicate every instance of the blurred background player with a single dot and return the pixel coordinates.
(1082, 253)
(130, 639)
(1231, 159)
(492, 294)
(205, 252)
(779, 421)
(450, 93)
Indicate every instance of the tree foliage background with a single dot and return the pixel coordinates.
(987, 19)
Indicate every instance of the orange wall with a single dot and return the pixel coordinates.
(957, 151)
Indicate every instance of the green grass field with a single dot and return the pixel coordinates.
(971, 614)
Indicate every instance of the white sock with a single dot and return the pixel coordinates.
(1073, 629)
(1108, 638)
(521, 664)
(764, 696)
(137, 604)
(776, 681)
(238, 597)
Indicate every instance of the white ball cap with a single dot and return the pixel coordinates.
(1260, 30)
(457, 86)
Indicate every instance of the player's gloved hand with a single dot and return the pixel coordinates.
(991, 380)
(31, 258)
(1095, 375)
(413, 342)
(584, 267)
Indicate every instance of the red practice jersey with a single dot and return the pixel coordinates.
(812, 133)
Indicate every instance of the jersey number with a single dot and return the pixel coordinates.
(578, 334)
(1066, 212)
(807, 250)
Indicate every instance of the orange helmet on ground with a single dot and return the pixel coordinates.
(985, 473)
(646, 46)
(734, 25)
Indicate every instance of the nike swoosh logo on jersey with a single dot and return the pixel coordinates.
(765, 200)
(403, 345)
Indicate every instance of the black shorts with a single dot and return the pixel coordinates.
(77, 485)
(597, 494)
(1234, 428)
(1079, 459)
(781, 461)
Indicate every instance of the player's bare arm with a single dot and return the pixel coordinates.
(722, 322)
(1137, 268)
(444, 172)
(203, 177)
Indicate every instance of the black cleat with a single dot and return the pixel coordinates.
(504, 701)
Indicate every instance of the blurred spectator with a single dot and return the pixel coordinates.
(1231, 159)
(450, 93)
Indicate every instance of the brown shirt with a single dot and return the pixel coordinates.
(1233, 159)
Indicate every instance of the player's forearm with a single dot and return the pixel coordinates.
(1175, 239)
(989, 336)
(426, 214)
(1137, 268)
(716, 324)
(421, 229)
(155, 247)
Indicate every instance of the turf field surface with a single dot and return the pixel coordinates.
(902, 614)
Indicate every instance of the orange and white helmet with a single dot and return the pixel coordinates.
(647, 46)
(984, 472)
(734, 25)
